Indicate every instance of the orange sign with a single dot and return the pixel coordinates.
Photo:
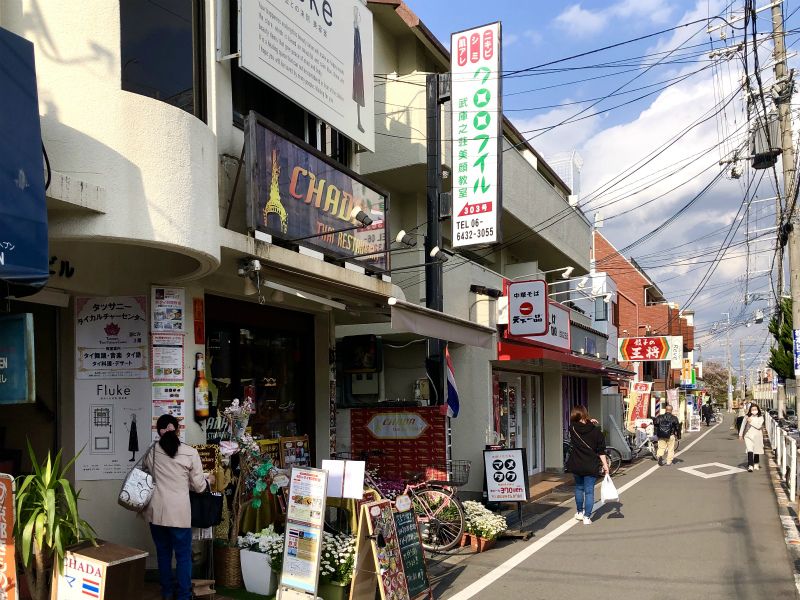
(643, 348)
(8, 568)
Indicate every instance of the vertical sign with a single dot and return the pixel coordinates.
(477, 113)
(676, 351)
(527, 308)
(796, 338)
(8, 566)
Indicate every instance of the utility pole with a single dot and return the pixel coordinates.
(728, 354)
(742, 374)
(782, 95)
(434, 276)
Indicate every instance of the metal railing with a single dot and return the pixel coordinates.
(784, 448)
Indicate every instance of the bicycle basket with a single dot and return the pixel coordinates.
(454, 473)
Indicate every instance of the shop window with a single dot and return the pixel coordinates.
(163, 51)
(267, 353)
(653, 370)
(600, 310)
(615, 314)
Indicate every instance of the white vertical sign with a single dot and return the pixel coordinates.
(477, 113)
(527, 307)
(676, 352)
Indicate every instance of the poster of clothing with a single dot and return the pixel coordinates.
(111, 338)
(111, 426)
(169, 308)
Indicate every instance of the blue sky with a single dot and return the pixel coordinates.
(669, 88)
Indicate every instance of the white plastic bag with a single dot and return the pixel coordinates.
(608, 491)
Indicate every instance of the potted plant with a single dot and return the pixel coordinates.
(482, 525)
(252, 481)
(47, 522)
(336, 566)
(259, 551)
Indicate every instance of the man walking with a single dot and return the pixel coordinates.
(708, 412)
(667, 429)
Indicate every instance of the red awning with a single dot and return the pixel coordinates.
(509, 350)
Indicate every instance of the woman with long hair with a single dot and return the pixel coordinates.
(586, 456)
(750, 432)
(177, 469)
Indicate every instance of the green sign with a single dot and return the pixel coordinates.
(411, 551)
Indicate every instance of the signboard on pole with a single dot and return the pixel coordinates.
(675, 351)
(796, 339)
(506, 475)
(528, 308)
(477, 109)
(319, 54)
(8, 565)
(644, 348)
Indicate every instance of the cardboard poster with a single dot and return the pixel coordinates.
(169, 399)
(81, 578)
(168, 358)
(295, 452)
(506, 475)
(169, 309)
(8, 565)
(306, 496)
(111, 426)
(111, 338)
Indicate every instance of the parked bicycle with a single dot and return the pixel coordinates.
(613, 455)
(433, 497)
(646, 446)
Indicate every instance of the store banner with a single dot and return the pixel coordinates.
(17, 370)
(8, 565)
(318, 54)
(295, 192)
(111, 338)
(639, 401)
(528, 308)
(644, 349)
(476, 122)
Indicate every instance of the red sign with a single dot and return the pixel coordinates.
(526, 308)
(643, 349)
(8, 566)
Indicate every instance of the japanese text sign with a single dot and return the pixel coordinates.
(476, 120)
(506, 475)
(527, 308)
(8, 568)
(644, 349)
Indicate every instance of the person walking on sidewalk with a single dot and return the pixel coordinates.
(587, 455)
(752, 436)
(668, 429)
(708, 412)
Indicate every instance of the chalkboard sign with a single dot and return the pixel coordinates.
(209, 456)
(413, 557)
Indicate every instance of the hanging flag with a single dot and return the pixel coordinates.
(452, 390)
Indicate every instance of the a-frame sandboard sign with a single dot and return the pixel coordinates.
(379, 559)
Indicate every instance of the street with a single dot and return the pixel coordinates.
(676, 535)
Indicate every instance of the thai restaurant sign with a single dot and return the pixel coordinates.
(319, 54)
(476, 121)
(295, 192)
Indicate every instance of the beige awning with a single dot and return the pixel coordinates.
(410, 318)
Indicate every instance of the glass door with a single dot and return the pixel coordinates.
(530, 420)
(509, 410)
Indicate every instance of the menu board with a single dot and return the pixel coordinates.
(209, 456)
(413, 557)
(388, 558)
(306, 496)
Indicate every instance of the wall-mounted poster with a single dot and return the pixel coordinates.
(168, 363)
(112, 426)
(169, 398)
(169, 309)
(111, 338)
(17, 373)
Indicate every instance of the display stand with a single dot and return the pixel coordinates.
(105, 571)
(506, 481)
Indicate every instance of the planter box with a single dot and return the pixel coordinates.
(478, 544)
(256, 573)
(332, 590)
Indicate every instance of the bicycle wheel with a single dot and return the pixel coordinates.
(440, 516)
(614, 457)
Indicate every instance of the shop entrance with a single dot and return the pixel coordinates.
(518, 416)
(265, 353)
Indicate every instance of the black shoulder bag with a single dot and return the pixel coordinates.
(206, 508)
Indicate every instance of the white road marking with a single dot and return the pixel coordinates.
(523, 555)
(725, 470)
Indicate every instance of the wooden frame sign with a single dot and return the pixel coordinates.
(378, 552)
(414, 566)
(8, 565)
(302, 550)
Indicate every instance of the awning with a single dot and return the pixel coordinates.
(24, 264)
(410, 318)
(558, 360)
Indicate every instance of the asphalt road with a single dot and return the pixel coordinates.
(675, 535)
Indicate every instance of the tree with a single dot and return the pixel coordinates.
(781, 356)
(715, 377)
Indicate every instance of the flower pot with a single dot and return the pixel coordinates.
(465, 537)
(257, 575)
(227, 567)
(333, 590)
(480, 544)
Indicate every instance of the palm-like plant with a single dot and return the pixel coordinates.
(47, 520)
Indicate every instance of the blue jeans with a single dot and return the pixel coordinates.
(584, 493)
(179, 541)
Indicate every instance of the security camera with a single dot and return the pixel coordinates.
(255, 265)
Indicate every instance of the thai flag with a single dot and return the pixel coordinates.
(452, 390)
(90, 588)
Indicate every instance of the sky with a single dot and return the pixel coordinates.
(651, 120)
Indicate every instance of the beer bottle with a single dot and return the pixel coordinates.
(200, 388)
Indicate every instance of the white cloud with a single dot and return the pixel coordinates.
(534, 36)
(563, 138)
(509, 39)
(582, 22)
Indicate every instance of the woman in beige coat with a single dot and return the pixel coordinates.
(752, 436)
(177, 469)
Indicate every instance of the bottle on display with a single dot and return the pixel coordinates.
(200, 388)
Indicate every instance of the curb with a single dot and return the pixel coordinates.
(787, 513)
